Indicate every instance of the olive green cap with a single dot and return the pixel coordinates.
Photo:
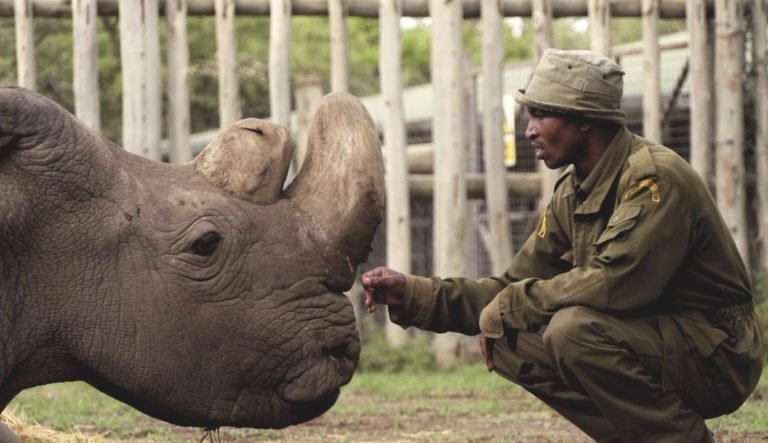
(576, 82)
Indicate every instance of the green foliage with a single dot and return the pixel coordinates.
(378, 356)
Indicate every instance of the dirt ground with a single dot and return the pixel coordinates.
(405, 421)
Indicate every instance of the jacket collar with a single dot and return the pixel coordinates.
(594, 189)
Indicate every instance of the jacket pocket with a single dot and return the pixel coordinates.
(623, 219)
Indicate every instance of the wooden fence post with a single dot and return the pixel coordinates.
(729, 130)
(496, 195)
(541, 20)
(25, 44)
(599, 12)
(543, 38)
(760, 59)
(701, 132)
(140, 59)
(309, 92)
(180, 150)
(450, 205)
(651, 72)
(337, 12)
(85, 67)
(226, 50)
(398, 221)
(279, 61)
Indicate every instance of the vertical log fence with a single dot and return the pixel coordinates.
(398, 226)
(86, 72)
(496, 194)
(140, 59)
(600, 26)
(449, 203)
(178, 90)
(543, 38)
(651, 73)
(25, 44)
(714, 115)
(337, 12)
(701, 98)
(760, 61)
(229, 67)
(729, 126)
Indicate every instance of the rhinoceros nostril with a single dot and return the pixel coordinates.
(255, 130)
(339, 351)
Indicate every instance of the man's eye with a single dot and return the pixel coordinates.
(206, 245)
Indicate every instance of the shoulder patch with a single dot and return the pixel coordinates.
(543, 226)
(648, 184)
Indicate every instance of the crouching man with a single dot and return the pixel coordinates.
(628, 310)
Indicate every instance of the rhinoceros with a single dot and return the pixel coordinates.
(206, 294)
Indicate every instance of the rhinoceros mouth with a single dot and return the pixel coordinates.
(330, 366)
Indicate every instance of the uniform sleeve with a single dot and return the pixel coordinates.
(642, 246)
(455, 304)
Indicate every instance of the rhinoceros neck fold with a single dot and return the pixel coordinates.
(26, 358)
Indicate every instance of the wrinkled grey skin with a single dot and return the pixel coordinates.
(201, 294)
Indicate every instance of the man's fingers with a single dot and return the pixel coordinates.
(486, 348)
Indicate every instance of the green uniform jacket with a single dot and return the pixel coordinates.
(640, 235)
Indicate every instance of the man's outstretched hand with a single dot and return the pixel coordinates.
(383, 286)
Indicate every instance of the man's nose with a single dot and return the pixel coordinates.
(531, 131)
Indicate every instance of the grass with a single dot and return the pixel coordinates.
(464, 404)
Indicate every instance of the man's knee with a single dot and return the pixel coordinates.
(570, 331)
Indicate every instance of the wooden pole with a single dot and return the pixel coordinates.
(496, 198)
(337, 12)
(760, 58)
(651, 72)
(279, 58)
(309, 92)
(178, 89)
(450, 204)
(370, 8)
(25, 44)
(85, 66)
(543, 38)
(226, 49)
(729, 130)
(701, 105)
(599, 12)
(140, 58)
(398, 221)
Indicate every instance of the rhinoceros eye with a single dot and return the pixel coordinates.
(207, 244)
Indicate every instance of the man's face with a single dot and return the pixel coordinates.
(557, 140)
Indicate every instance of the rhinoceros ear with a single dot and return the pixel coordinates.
(23, 114)
(250, 159)
(50, 150)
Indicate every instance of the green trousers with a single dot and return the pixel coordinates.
(636, 379)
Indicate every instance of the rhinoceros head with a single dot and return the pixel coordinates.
(203, 294)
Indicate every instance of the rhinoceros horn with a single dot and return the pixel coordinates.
(340, 187)
(341, 184)
(250, 159)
